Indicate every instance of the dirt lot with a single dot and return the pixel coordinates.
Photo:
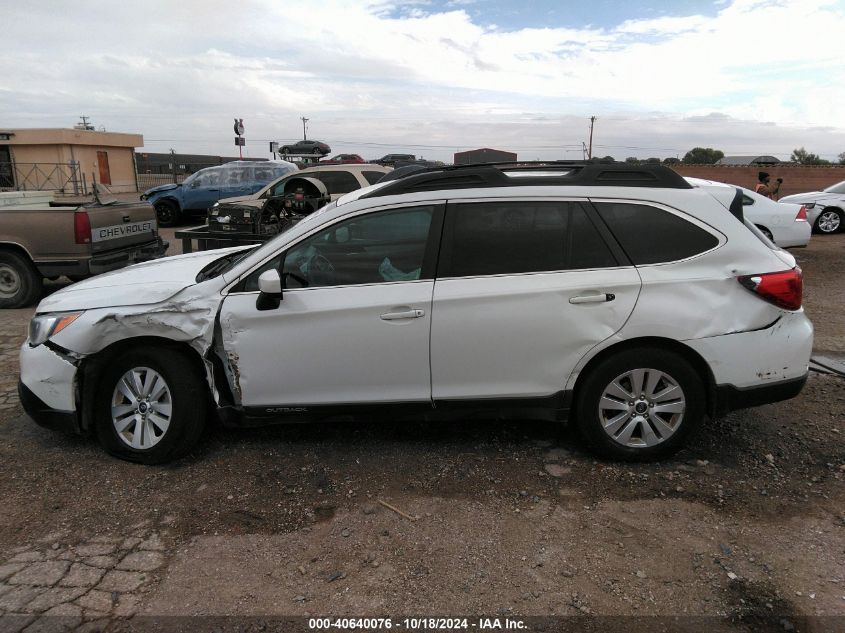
(488, 518)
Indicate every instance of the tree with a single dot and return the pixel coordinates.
(653, 161)
(703, 156)
(803, 157)
(671, 160)
(842, 158)
(634, 160)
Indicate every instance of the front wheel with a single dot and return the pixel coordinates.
(167, 212)
(829, 220)
(640, 404)
(150, 406)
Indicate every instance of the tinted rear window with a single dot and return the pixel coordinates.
(651, 236)
(337, 181)
(500, 238)
(373, 177)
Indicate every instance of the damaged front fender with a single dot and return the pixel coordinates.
(188, 317)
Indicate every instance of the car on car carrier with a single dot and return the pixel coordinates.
(614, 294)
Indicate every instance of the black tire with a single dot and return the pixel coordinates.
(167, 212)
(829, 221)
(317, 152)
(591, 419)
(20, 283)
(765, 232)
(286, 150)
(187, 396)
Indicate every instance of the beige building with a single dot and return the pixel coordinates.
(67, 160)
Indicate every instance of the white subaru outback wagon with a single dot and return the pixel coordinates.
(617, 295)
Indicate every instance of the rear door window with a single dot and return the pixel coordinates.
(512, 237)
(649, 235)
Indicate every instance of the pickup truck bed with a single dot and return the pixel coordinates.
(42, 238)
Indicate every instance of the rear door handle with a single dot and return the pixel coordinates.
(407, 314)
(597, 298)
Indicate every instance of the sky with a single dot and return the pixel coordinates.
(432, 77)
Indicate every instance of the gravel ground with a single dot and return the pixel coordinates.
(487, 518)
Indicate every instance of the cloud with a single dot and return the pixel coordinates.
(410, 73)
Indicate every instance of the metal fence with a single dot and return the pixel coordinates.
(65, 178)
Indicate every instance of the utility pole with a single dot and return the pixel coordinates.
(590, 152)
(304, 121)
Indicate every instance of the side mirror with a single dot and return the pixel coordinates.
(270, 283)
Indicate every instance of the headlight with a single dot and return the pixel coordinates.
(43, 326)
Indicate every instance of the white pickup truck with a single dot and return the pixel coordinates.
(41, 237)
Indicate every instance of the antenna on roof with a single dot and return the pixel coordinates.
(83, 123)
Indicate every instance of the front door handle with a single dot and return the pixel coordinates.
(406, 314)
(597, 298)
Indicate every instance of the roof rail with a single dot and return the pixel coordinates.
(539, 173)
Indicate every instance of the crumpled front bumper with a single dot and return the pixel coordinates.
(47, 387)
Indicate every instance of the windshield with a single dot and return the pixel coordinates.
(837, 188)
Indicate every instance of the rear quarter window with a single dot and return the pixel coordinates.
(649, 235)
(373, 177)
(337, 181)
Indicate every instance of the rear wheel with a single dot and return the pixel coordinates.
(640, 404)
(766, 232)
(167, 212)
(286, 150)
(150, 406)
(829, 220)
(20, 283)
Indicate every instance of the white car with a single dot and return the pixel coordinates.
(338, 179)
(617, 294)
(826, 208)
(784, 223)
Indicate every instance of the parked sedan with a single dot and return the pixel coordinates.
(784, 223)
(202, 189)
(306, 147)
(825, 208)
(343, 159)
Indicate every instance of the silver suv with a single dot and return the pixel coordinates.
(617, 295)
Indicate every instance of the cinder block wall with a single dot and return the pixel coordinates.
(796, 178)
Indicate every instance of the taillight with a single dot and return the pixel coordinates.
(802, 214)
(81, 227)
(783, 289)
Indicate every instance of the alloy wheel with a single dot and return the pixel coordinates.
(141, 408)
(829, 221)
(642, 408)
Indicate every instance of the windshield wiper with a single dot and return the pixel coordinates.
(220, 266)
